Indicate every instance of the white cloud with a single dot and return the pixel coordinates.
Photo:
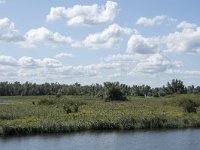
(103, 66)
(11, 36)
(187, 40)
(30, 62)
(8, 32)
(185, 25)
(28, 68)
(6, 24)
(111, 37)
(113, 76)
(44, 36)
(48, 69)
(64, 55)
(85, 14)
(120, 58)
(74, 71)
(28, 73)
(155, 64)
(87, 70)
(50, 63)
(184, 72)
(141, 45)
(8, 60)
(157, 20)
(191, 73)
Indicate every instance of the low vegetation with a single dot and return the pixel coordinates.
(53, 114)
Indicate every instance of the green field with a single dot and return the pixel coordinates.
(48, 114)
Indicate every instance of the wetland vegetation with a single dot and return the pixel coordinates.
(69, 113)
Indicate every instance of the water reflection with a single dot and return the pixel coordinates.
(134, 140)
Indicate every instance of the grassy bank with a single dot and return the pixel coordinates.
(44, 114)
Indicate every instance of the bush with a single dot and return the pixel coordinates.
(114, 93)
(189, 106)
(46, 102)
(75, 108)
(67, 109)
(58, 95)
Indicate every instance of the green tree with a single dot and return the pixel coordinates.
(113, 92)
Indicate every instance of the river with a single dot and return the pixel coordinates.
(187, 139)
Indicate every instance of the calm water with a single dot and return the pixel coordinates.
(138, 140)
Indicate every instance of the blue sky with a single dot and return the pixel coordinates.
(133, 42)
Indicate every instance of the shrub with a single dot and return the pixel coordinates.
(114, 93)
(58, 95)
(67, 109)
(75, 108)
(189, 106)
(46, 102)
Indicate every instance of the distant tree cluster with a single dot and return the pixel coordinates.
(109, 90)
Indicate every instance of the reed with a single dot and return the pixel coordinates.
(53, 115)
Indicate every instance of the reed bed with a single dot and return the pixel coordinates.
(49, 114)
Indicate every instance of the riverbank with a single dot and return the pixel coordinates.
(44, 114)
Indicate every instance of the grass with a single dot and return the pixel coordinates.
(49, 114)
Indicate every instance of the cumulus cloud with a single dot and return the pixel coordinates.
(141, 45)
(48, 68)
(85, 14)
(7, 24)
(157, 20)
(64, 55)
(50, 63)
(30, 62)
(12, 36)
(8, 60)
(155, 64)
(111, 37)
(186, 25)
(8, 32)
(187, 40)
(43, 35)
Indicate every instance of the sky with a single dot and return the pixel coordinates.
(90, 41)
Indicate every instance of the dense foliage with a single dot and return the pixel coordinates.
(97, 90)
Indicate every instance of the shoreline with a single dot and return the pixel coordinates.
(108, 127)
(99, 131)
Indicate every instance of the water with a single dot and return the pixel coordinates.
(132, 140)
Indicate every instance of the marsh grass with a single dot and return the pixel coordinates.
(50, 114)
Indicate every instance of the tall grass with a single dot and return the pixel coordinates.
(51, 114)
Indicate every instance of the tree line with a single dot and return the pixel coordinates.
(97, 90)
